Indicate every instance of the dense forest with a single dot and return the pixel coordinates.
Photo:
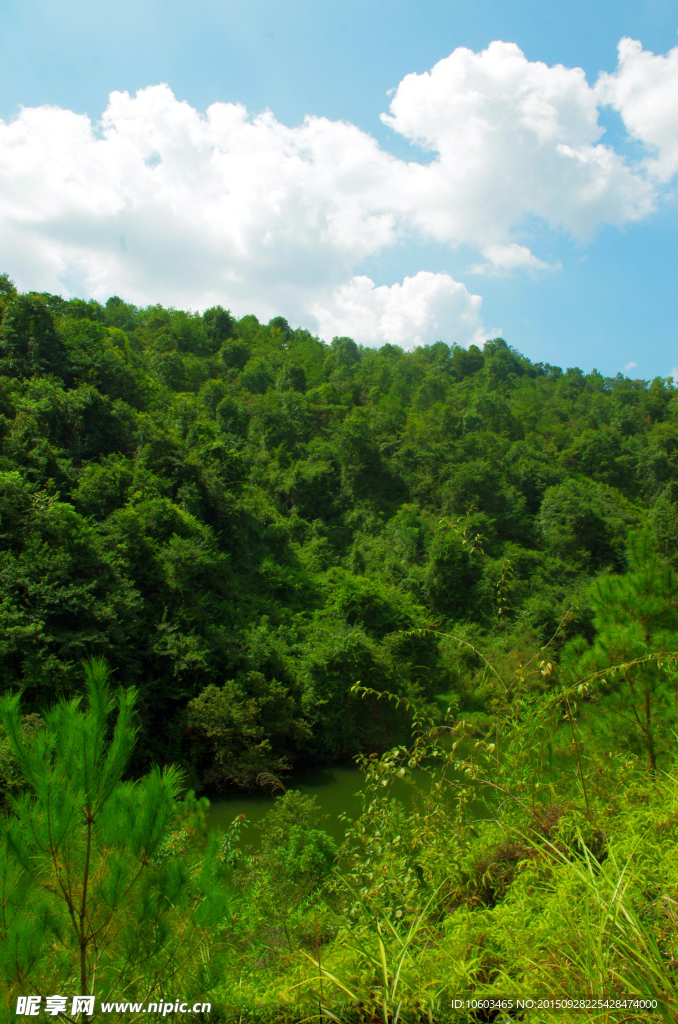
(300, 552)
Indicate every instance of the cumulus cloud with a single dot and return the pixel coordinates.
(515, 139)
(424, 308)
(644, 91)
(158, 202)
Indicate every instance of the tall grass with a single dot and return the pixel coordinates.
(534, 863)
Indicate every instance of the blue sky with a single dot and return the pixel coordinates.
(566, 278)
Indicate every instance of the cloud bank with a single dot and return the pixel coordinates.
(158, 202)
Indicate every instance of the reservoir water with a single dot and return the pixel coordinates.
(336, 788)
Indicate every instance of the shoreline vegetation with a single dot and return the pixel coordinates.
(227, 550)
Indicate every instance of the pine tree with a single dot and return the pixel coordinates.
(635, 616)
(96, 895)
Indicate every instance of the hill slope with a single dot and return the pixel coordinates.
(245, 520)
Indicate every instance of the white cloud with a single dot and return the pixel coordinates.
(515, 139)
(423, 309)
(159, 202)
(630, 366)
(503, 259)
(644, 90)
(213, 207)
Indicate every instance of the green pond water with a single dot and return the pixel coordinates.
(336, 788)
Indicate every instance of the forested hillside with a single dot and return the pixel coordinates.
(245, 520)
(228, 548)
